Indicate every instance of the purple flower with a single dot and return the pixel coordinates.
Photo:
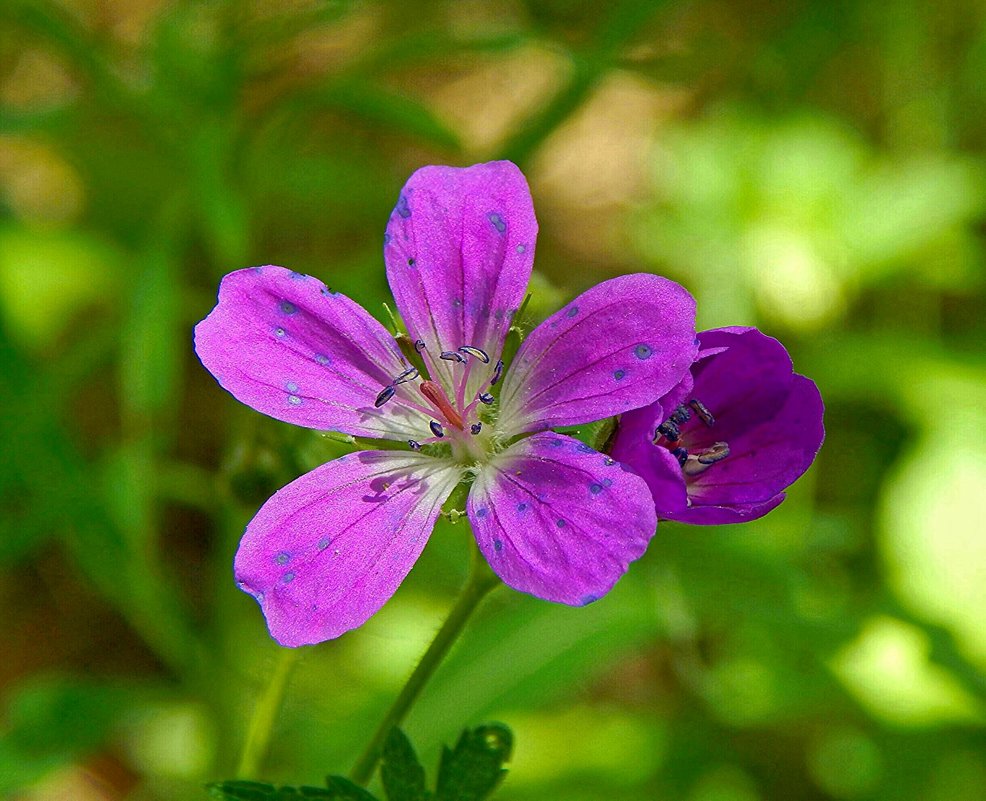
(553, 517)
(722, 445)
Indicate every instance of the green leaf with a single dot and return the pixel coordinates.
(242, 791)
(474, 768)
(341, 789)
(402, 774)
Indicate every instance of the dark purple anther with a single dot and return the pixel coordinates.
(385, 395)
(476, 428)
(408, 375)
(485, 397)
(436, 429)
(497, 372)
(452, 356)
(419, 345)
(669, 430)
(478, 353)
(703, 414)
(414, 445)
(681, 415)
(681, 455)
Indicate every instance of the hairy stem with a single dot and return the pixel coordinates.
(481, 581)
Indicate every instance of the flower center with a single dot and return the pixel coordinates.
(454, 420)
(672, 435)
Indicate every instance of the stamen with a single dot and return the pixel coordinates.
(413, 445)
(434, 393)
(681, 415)
(385, 395)
(497, 372)
(681, 455)
(419, 345)
(436, 429)
(700, 462)
(452, 356)
(486, 398)
(703, 414)
(479, 353)
(476, 428)
(669, 430)
(408, 375)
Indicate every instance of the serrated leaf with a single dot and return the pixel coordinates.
(341, 789)
(242, 791)
(474, 768)
(402, 774)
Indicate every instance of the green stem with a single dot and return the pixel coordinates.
(481, 581)
(264, 715)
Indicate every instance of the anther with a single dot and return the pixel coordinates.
(485, 397)
(436, 429)
(681, 415)
(419, 345)
(476, 428)
(497, 372)
(408, 375)
(385, 395)
(681, 455)
(451, 356)
(479, 353)
(703, 414)
(413, 445)
(700, 462)
(669, 430)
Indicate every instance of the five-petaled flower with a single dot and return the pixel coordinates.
(722, 445)
(553, 517)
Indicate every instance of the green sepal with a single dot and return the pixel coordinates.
(337, 789)
(402, 774)
(474, 768)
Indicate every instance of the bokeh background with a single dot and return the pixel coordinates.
(813, 168)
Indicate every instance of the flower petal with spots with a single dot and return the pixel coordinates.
(459, 249)
(556, 519)
(330, 548)
(620, 345)
(286, 345)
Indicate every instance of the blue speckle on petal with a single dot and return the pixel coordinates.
(291, 387)
(521, 248)
(482, 511)
(560, 523)
(557, 443)
(607, 482)
(497, 545)
(402, 208)
(328, 292)
(595, 488)
(283, 558)
(323, 543)
(279, 332)
(321, 358)
(619, 375)
(298, 276)
(287, 307)
(643, 351)
(583, 448)
(521, 507)
(386, 239)
(572, 311)
(498, 221)
(588, 599)
(294, 400)
(287, 578)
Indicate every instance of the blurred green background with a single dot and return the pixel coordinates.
(813, 168)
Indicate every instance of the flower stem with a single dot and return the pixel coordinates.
(264, 715)
(481, 581)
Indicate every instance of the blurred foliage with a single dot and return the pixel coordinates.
(814, 168)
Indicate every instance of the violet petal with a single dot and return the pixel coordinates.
(325, 552)
(618, 346)
(559, 520)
